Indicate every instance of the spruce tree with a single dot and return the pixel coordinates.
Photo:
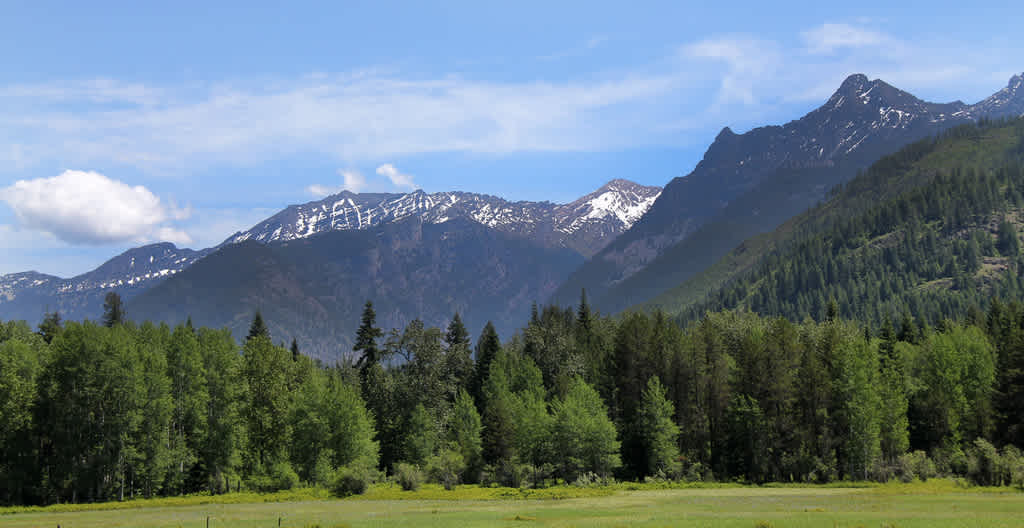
(113, 310)
(295, 350)
(366, 338)
(50, 327)
(258, 328)
(486, 348)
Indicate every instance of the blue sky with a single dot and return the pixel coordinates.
(123, 123)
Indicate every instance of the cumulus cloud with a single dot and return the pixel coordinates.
(402, 181)
(84, 207)
(829, 37)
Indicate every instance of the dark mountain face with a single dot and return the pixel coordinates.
(750, 183)
(313, 288)
(28, 295)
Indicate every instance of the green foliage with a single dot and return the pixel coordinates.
(267, 406)
(583, 435)
(658, 430)
(446, 468)
(408, 476)
(113, 310)
(464, 435)
(352, 480)
(279, 476)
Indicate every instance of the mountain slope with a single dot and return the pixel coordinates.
(313, 288)
(750, 183)
(585, 225)
(28, 295)
(931, 230)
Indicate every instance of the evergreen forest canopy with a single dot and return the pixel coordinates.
(97, 412)
(884, 339)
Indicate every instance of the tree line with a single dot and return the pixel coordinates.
(117, 410)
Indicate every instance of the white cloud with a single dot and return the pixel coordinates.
(829, 37)
(746, 60)
(84, 207)
(402, 181)
(352, 181)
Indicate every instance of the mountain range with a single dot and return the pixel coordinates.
(497, 256)
(310, 267)
(750, 183)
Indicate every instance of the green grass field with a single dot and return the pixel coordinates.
(935, 504)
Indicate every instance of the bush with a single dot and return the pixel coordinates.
(280, 476)
(915, 465)
(445, 468)
(353, 480)
(409, 477)
(1013, 460)
(984, 464)
(591, 479)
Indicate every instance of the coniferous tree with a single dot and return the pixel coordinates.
(366, 339)
(113, 310)
(487, 347)
(51, 326)
(258, 328)
(295, 350)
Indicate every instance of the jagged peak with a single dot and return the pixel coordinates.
(725, 133)
(855, 84)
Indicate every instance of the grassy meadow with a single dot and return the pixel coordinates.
(938, 503)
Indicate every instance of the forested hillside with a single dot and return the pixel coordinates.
(929, 231)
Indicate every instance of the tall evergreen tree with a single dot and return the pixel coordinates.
(51, 326)
(113, 310)
(366, 339)
(258, 328)
(487, 347)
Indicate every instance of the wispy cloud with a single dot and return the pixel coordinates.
(351, 180)
(581, 49)
(830, 37)
(368, 117)
(351, 117)
(402, 181)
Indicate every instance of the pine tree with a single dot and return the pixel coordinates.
(295, 350)
(258, 328)
(457, 333)
(366, 339)
(113, 310)
(486, 349)
(50, 327)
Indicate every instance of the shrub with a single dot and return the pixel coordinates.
(915, 465)
(280, 476)
(1013, 460)
(984, 464)
(353, 480)
(445, 468)
(409, 477)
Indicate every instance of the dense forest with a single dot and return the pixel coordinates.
(917, 233)
(113, 410)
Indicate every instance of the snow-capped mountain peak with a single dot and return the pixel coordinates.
(585, 225)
